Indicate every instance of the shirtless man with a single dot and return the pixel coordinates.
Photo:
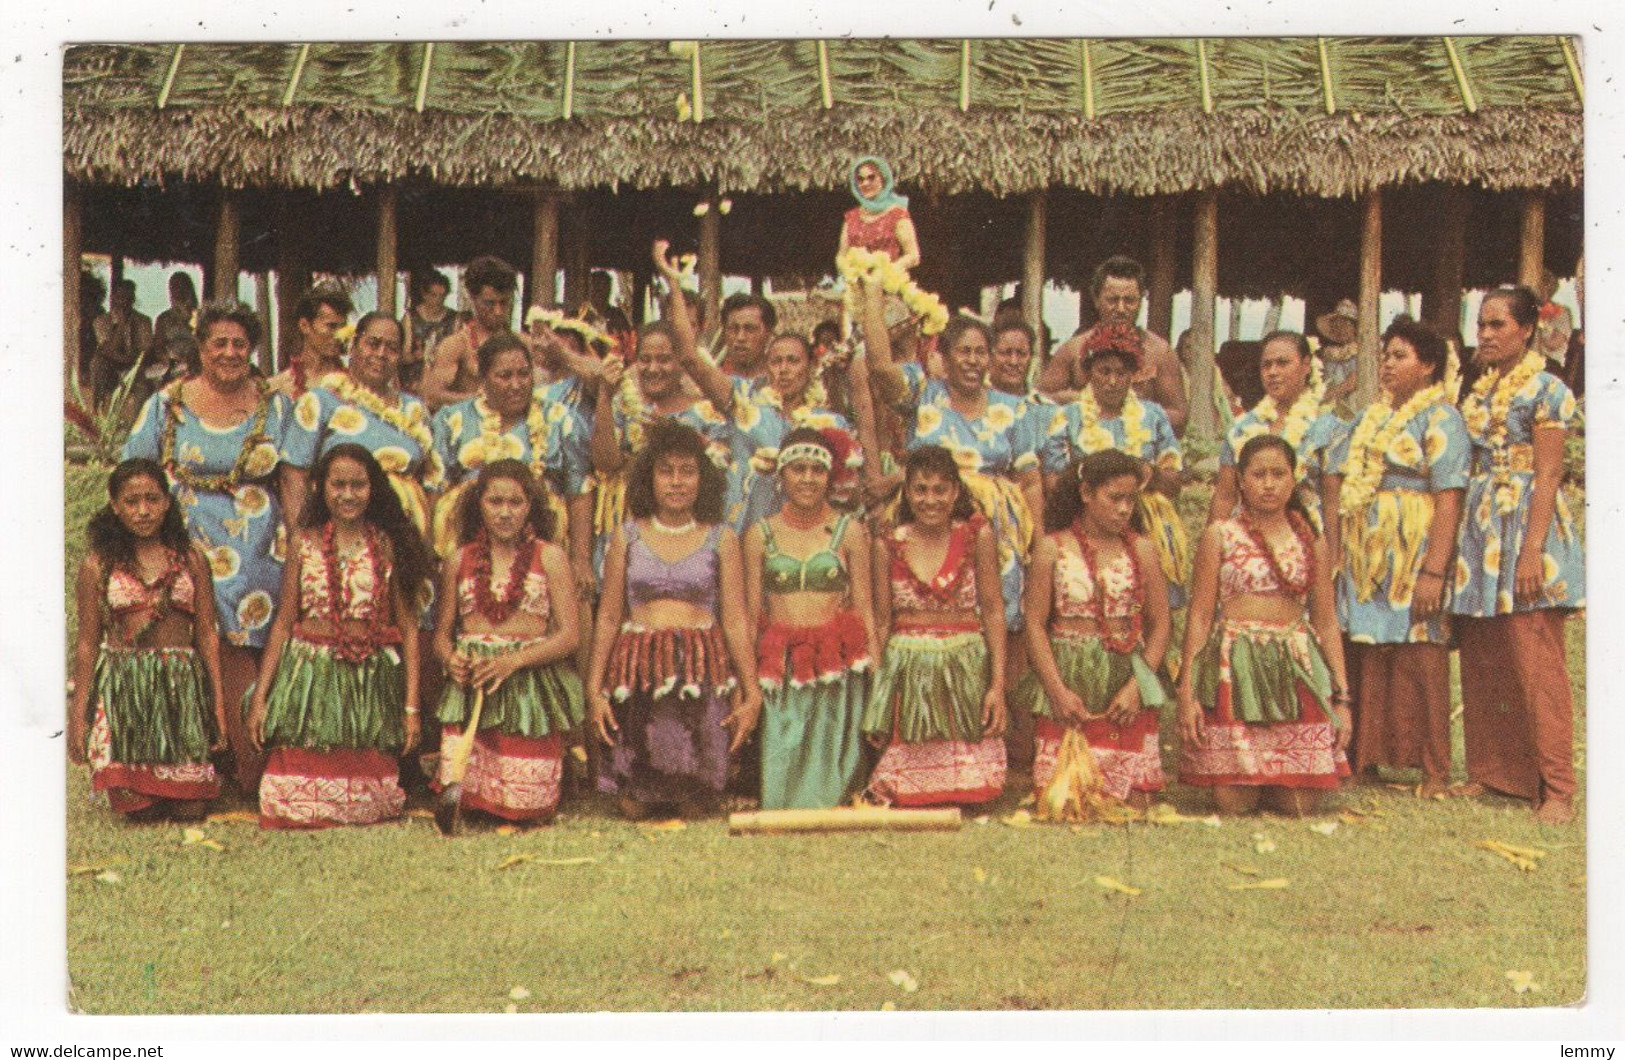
(453, 372)
(748, 322)
(122, 337)
(321, 312)
(1118, 288)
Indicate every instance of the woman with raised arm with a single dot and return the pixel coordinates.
(1263, 696)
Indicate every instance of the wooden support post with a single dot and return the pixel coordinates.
(710, 268)
(72, 249)
(1531, 239)
(757, 286)
(544, 251)
(226, 241)
(576, 270)
(292, 278)
(1204, 421)
(262, 307)
(1370, 297)
(1032, 264)
(1441, 304)
(388, 268)
(639, 310)
(1160, 290)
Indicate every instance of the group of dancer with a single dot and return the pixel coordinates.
(818, 578)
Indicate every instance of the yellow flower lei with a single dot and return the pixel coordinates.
(491, 435)
(1505, 388)
(1094, 438)
(352, 393)
(1298, 417)
(636, 411)
(1371, 442)
(876, 267)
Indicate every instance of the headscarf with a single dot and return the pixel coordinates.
(888, 197)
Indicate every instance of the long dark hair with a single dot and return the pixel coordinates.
(412, 564)
(469, 519)
(1257, 444)
(667, 437)
(1063, 506)
(111, 541)
(933, 460)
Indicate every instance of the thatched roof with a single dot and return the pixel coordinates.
(1312, 116)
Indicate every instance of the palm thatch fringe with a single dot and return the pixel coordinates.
(1261, 149)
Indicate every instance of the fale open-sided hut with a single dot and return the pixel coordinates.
(1320, 167)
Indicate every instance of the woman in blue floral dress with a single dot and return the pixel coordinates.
(1520, 570)
(222, 438)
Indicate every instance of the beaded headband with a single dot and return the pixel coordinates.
(806, 451)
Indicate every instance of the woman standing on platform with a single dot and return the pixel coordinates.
(1521, 569)
(807, 590)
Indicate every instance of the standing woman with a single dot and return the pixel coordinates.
(1521, 570)
(937, 705)
(1263, 701)
(221, 437)
(337, 698)
(807, 592)
(671, 619)
(508, 626)
(147, 639)
(880, 221)
(1108, 414)
(1098, 629)
(1291, 408)
(1398, 486)
(428, 321)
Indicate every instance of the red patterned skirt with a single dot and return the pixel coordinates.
(939, 772)
(516, 778)
(132, 787)
(804, 655)
(1287, 754)
(319, 789)
(1128, 756)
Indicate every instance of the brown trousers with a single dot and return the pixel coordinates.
(1404, 707)
(1518, 709)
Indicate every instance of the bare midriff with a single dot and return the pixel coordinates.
(943, 618)
(671, 614)
(1257, 607)
(804, 608)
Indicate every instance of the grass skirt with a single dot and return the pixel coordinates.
(1270, 721)
(513, 777)
(812, 749)
(930, 687)
(319, 702)
(534, 702)
(155, 743)
(319, 789)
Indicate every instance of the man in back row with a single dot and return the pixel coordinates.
(1117, 289)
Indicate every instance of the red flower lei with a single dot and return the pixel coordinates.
(348, 646)
(497, 609)
(1128, 640)
(1306, 537)
(157, 594)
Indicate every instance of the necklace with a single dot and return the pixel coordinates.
(496, 444)
(157, 594)
(354, 647)
(498, 608)
(1094, 438)
(1492, 422)
(656, 525)
(794, 523)
(1293, 587)
(1373, 440)
(256, 459)
(1123, 641)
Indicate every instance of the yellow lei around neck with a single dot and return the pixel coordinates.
(1093, 438)
(492, 445)
(410, 423)
(1505, 388)
(1373, 441)
(1298, 417)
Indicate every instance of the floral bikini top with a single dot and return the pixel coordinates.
(821, 572)
(1076, 584)
(954, 586)
(1246, 569)
(533, 597)
(127, 593)
(363, 583)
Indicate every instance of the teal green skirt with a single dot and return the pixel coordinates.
(535, 702)
(154, 699)
(320, 702)
(930, 687)
(1094, 673)
(1262, 665)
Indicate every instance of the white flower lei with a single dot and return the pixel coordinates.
(1094, 438)
(1505, 387)
(1373, 439)
(1298, 417)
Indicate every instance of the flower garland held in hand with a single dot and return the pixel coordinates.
(411, 421)
(1373, 441)
(1306, 537)
(248, 466)
(1123, 641)
(1500, 389)
(876, 267)
(498, 609)
(556, 320)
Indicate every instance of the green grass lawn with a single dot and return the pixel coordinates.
(1395, 908)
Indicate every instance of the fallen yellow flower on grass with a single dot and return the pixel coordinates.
(196, 837)
(109, 877)
(821, 980)
(980, 874)
(1019, 819)
(1324, 827)
(901, 978)
(1523, 982)
(1263, 844)
(519, 993)
(676, 824)
(889, 1006)
(1111, 883)
(94, 867)
(506, 829)
(1525, 858)
(1274, 883)
(520, 859)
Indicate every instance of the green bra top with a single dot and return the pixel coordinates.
(821, 572)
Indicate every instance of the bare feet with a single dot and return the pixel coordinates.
(1470, 789)
(1433, 788)
(1555, 811)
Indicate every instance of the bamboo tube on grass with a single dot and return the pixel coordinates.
(845, 819)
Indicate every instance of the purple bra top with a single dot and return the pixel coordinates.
(692, 579)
